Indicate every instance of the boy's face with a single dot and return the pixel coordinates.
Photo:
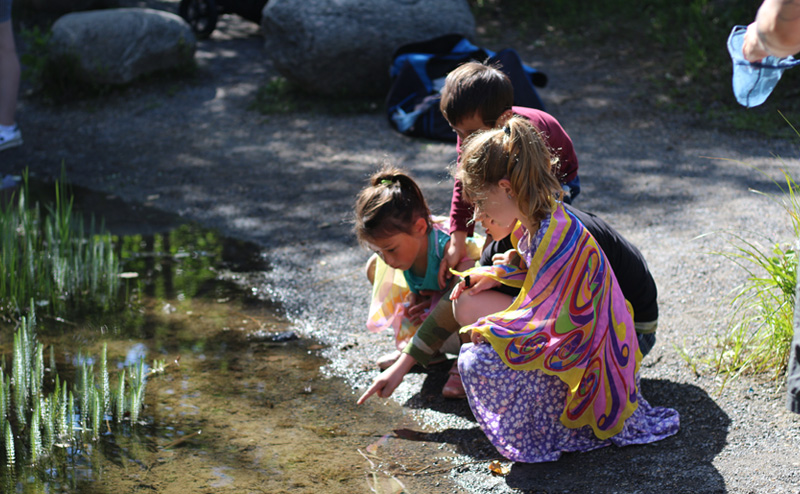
(468, 126)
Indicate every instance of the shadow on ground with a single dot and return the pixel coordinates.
(682, 463)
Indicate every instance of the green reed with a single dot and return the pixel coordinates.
(120, 398)
(41, 411)
(53, 258)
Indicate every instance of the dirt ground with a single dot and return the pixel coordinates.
(287, 182)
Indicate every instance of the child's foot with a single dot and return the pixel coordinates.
(10, 138)
(387, 360)
(454, 388)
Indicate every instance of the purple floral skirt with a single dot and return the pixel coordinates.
(519, 411)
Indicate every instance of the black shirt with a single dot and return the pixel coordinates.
(627, 262)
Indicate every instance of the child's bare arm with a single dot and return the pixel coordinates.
(454, 252)
(388, 380)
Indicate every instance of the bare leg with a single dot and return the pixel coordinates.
(9, 75)
(469, 308)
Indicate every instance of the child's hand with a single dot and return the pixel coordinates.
(454, 252)
(753, 48)
(388, 380)
(507, 258)
(473, 284)
(417, 305)
(476, 338)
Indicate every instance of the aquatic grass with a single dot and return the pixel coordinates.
(35, 449)
(119, 410)
(64, 414)
(138, 382)
(105, 386)
(97, 413)
(9, 445)
(3, 402)
(53, 258)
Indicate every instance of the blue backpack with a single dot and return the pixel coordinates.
(418, 71)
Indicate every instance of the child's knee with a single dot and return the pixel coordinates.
(460, 312)
(369, 268)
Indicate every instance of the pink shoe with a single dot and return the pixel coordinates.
(454, 388)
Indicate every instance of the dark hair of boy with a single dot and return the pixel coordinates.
(476, 88)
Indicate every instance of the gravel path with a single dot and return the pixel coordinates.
(288, 182)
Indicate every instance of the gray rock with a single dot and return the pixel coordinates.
(345, 46)
(65, 6)
(118, 45)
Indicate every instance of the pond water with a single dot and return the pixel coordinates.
(241, 405)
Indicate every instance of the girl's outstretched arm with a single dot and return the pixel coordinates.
(388, 380)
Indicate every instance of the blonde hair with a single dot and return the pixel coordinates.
(516, 152)
(389, 205)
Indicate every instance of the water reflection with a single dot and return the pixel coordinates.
(240, 406)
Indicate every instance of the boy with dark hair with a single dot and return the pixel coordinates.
(477, 97)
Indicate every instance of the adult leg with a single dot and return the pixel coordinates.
(9, 74)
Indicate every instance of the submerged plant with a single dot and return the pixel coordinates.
(40, 421)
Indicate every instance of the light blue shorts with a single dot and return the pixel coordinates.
(5, 10)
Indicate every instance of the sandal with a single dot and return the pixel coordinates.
(387, 360)
(454, 388)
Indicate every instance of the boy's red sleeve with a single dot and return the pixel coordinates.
(557, 140)
(461, 210)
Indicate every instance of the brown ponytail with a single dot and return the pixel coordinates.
(391, 204)
(515, 152)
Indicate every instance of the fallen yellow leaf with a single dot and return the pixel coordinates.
(498, 468)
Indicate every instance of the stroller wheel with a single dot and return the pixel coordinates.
(201, 16)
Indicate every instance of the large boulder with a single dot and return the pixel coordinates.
(66, 6)
(118, 45)
(345, 46)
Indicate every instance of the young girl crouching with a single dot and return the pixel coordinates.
(555, 369)
(392, 218)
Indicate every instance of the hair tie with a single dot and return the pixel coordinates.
(386, 181)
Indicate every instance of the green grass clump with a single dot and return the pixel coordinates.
(758, 336)
(52, 258)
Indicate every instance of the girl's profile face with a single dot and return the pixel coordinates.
(398, 251)
(401, 250)
(497, 205)
(493, 228)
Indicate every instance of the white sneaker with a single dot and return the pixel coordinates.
(10, 139)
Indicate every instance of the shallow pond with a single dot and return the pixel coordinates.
(241, 405)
